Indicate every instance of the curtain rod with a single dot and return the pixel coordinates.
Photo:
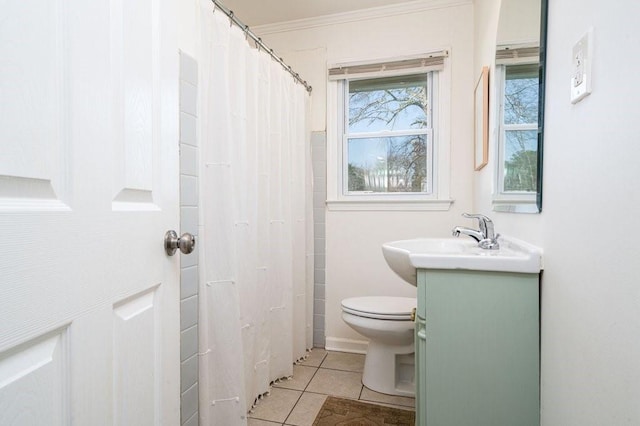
(259, 43)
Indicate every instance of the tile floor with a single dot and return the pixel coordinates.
(297, 401)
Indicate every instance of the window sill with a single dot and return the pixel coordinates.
(389, 205)
(517, 205)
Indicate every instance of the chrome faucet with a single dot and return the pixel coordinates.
(486, 236)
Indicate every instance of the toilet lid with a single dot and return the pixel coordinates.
(380, 307)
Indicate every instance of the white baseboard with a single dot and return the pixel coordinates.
(340, 344)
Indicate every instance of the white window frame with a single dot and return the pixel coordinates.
(508, 201)
(428, 132)
(438, 198)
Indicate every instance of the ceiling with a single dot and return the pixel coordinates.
(261, 12)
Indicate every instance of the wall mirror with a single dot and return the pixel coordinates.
(519, 102)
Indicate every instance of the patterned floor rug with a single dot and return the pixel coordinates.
(349, 412)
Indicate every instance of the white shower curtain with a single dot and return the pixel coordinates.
(257, 234)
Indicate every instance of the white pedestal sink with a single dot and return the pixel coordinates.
(405, 256)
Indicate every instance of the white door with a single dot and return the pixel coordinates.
(89, 313)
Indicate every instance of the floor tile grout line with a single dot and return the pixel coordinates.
(309, 382)
(323, 359)
(272, 421)
(303, 392)
(338, 369)
(293, 408)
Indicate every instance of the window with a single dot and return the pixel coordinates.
(388, 135)
(518, 130)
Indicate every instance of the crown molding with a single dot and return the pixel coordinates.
(358, 15)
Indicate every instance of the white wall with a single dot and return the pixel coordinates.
(519, 21)
(354, 262)
(189, 26)
(591, 292)
(590, 288)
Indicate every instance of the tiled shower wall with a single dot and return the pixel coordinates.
(189, 154)
(319, 159)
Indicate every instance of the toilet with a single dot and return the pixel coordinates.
(387, 322)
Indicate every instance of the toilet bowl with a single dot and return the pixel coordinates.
(386, 321)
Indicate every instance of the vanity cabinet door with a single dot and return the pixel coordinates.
(479, 362)
(421, 374)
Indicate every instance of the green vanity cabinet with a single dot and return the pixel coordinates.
(421, 359)
(477, 348)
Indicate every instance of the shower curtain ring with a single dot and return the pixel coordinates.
(230, 18)
(246, 32)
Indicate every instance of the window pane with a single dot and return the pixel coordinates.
(521, 94)
(388, 164)
(521, 160)
(391, 103)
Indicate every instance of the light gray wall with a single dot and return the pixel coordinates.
(189, 156)
(319, 159)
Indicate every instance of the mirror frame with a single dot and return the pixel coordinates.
(542, 67)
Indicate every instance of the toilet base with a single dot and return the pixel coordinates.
(390, 372)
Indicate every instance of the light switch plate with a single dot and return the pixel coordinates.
(582, 57)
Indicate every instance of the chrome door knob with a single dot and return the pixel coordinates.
(186, 243)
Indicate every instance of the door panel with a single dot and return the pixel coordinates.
(34, 381)
(33, 115)
(89, 301)
(134, 40)
(135, 341)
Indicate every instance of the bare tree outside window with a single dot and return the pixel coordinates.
(520, 128)
(387, 127)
